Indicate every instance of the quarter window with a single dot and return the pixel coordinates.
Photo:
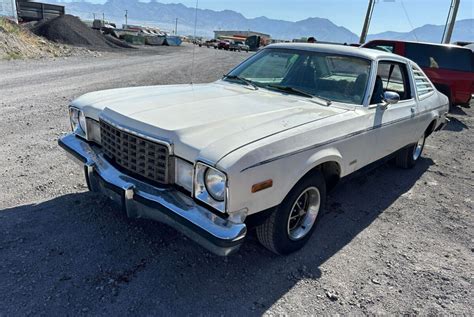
(422, 83)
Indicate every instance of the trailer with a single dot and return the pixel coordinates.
(36, 11)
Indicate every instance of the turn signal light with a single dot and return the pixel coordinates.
(262, 185)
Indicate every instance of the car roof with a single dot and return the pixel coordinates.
(340, 49)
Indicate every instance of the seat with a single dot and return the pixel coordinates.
(358, 89)
(377, 96)
(302, 77)
(359, 84)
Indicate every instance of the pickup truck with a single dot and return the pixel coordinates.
(238, 46)
(223, 45)
(259, 148)
(449, 67)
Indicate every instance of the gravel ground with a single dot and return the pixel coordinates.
(391, 241)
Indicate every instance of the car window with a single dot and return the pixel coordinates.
(422, 83)
(336, 77)
(436, 56)
(391, 76)
(382, 47)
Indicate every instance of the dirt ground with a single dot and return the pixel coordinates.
(391, 241)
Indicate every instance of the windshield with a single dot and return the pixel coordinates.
(334, 77)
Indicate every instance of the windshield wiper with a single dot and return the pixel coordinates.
(242, 80)
(301, 92)
(326, 100)
(291, 90)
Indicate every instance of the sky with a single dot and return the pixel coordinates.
(389, 15)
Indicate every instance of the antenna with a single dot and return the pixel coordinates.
(194, 39)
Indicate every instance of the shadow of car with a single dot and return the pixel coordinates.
(78, 251)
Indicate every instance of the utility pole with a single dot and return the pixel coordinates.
(176, 27)
(368, 17)
(451, 20)
(103, 18)
(93, 14)
(126, 17)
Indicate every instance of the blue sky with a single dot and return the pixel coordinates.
(389, 15)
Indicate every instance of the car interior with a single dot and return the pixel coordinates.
(391, 76)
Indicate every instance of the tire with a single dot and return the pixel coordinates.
(409, 156)
(275, 233)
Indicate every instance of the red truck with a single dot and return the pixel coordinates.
(450, 67)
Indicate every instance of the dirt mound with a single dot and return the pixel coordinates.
(115, 41)
(18, 42)
(68, 29)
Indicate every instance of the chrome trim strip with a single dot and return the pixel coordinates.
(347, 136)
(166, 142)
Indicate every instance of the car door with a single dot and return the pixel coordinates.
(394, 124)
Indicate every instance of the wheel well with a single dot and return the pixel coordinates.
(331, 172)
(430, 128)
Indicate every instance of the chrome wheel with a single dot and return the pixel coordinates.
(418, 148)
(304, 213)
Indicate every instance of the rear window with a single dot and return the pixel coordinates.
(433, 56)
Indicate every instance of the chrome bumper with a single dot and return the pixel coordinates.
(166, 205)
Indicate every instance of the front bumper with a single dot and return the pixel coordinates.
(166, 205)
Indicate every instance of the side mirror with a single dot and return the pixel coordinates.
(389, 98)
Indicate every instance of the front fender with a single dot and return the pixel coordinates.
(285, 172)
(312, 162)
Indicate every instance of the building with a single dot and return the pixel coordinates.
(240, 34)
(8, 9)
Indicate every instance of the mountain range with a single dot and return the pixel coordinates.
(163, 15)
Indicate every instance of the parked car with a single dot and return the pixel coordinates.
(259, 148)
(211, 43)
(239, 46)
(449, 67)
(223, 45)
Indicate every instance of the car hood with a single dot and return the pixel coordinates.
(204, 121)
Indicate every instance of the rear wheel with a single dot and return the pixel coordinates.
(293, 222)
(409, 156)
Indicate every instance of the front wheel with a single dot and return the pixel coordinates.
(293, 222)
(409, 156)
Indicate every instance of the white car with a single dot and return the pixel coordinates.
(260, 147)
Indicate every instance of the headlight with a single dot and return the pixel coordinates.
(210, 186)
(86, 128)
(78, 122)
(215, 184)
(184, 174)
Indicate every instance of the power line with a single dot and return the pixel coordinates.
(409, 21)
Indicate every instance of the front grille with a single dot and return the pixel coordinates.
(134, 154)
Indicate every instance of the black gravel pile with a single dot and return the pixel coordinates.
(68, 29)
